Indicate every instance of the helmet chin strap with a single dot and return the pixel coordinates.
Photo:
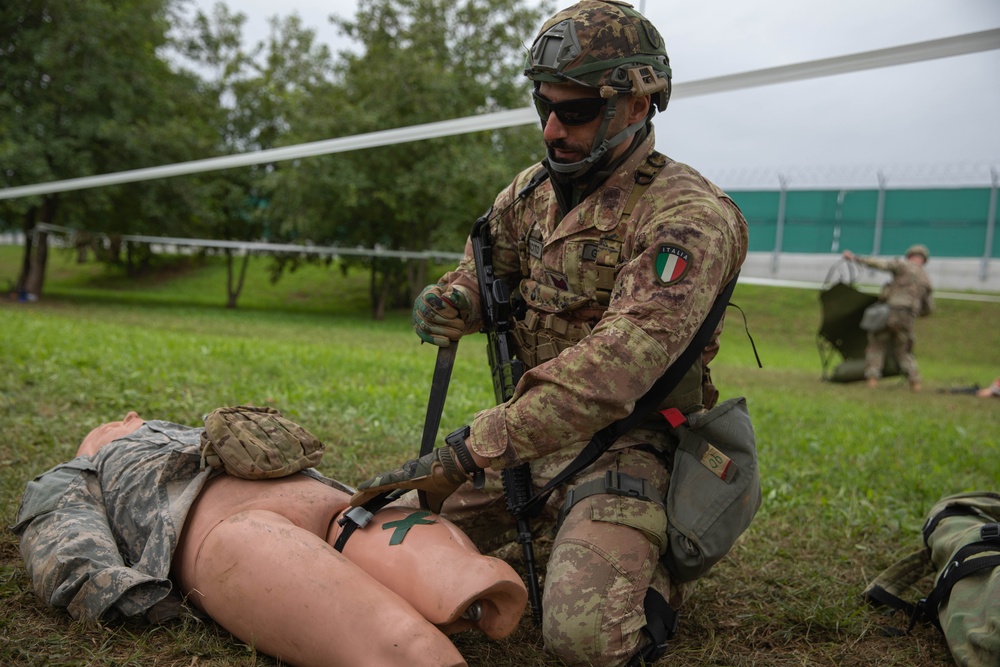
(599, 149)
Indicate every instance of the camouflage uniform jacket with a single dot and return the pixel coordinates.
(910, 288)
(641, 283)
(97, 534)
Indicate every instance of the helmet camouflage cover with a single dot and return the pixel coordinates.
(599, 44)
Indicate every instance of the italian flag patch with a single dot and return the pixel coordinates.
(672, 264)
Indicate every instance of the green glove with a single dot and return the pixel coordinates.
(437, 474)
(439, 317)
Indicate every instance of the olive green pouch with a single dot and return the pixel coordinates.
(714, 489)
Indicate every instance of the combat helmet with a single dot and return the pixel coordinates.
(607, 45)
(919, 249)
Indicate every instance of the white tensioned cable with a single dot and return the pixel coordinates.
(897, 55)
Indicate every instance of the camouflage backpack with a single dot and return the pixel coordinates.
(257, 443)
(954, 582)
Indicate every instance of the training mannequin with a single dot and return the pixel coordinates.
(257, 557)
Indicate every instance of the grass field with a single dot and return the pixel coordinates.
(847, 472)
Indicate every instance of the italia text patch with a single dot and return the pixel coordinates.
(672, 264)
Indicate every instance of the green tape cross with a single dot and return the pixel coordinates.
(403, 526)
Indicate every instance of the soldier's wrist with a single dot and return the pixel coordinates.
(465, 457)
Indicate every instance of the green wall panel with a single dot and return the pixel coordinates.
(951, 222)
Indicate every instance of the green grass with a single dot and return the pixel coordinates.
(848, 473)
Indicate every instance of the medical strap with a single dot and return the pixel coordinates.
(603, 439)
(361, 516)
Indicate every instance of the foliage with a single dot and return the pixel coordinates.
(422, 61)
(87, 92)
(847, 472)
(254, 92)
(103, 88)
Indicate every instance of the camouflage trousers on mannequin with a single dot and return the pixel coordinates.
(897, 336)
(604, 556)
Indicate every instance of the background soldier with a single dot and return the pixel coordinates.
(616, 254)
(909, 296)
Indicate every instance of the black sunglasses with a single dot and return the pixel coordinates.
(570, 112)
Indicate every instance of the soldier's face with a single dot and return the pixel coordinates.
(566, 142)
(569, 136)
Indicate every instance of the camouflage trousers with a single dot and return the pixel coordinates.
(604, 555)
(898, 337)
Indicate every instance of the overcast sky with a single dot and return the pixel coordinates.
(939, 115)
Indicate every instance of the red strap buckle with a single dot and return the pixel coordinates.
(673, 417)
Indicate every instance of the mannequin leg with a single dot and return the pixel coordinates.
(286, 591)
(431, 564)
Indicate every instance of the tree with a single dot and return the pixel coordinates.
(83, 91)
(421, 61)
(253, 90)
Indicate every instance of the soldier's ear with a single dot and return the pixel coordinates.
(638, 108)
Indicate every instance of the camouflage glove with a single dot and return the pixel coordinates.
(438, 474)
(439, 318)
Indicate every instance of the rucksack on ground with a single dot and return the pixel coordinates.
(954, 581)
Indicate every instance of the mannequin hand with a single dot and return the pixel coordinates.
(437, 474)
(439, 317)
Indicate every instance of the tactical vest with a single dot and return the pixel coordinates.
(554, 317)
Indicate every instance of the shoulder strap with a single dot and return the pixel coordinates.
(964, 562)
(607, 436)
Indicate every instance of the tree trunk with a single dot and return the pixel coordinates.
(416, 277)
(36, 273)
(35, 280)
(379, 292)
(233, 292)
(28, 223)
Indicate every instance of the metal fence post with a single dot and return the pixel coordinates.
(879, 216)
(991, 223)
(779, 231)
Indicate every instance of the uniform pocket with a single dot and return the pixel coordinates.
(42, 494)
(645, 516)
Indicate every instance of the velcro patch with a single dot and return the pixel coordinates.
(720, 464)
(535, 246)
(672, 264)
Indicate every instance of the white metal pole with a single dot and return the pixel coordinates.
(991, 223)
